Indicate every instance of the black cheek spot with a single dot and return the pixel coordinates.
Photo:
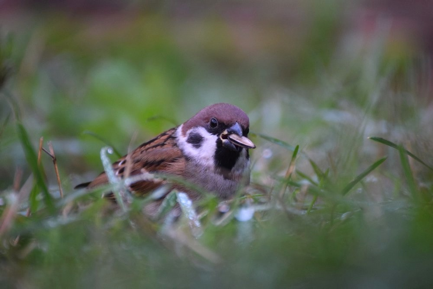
(195, 139)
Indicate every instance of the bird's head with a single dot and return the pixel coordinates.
(217, 133)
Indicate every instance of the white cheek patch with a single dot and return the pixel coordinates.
(204, 154)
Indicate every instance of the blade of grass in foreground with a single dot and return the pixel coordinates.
(408, 172)
(291, 167)
(161, 117)
(304, 176)
(322, 180)
(290, 170)
(315, 190)
(320, 174)
(275, 141)
(112, 179)
(106, 142)
(397, 147)
(3, 126)
(33, 199)
(32, 160)
(362, 175)
(167, 204)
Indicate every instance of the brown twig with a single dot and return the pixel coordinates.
(17, 179)
(41, 143)
(41, 148)
(56, 169)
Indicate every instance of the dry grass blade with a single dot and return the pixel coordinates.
(9, 214)
(17, 179)
(15, 199)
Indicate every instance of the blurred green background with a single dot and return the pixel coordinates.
(323, 75)
(303, 70)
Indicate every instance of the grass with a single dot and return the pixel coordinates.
(327, 206)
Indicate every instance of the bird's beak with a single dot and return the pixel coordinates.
(232, 138)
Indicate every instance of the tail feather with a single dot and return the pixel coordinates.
(82, 186)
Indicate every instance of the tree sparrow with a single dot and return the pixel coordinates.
(210, 150)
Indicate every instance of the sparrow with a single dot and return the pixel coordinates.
(210, 151)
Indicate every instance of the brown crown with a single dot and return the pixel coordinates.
(223, 112)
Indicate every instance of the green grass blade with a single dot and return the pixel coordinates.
(167, 204)
(32, 160)
(82, 193)
(118, 187)
(161, 117)
(103, 140)
(326, 174)
(33, 199)
(294, 155)
(304, 176)
(313, 201)
(320, 192)
(290, 170)
(393, 145)
(316, 169)
(408, 172)
(3, 126)
(278, 142)
(292, 163)
(362, 175)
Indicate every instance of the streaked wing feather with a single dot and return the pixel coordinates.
(160, 154)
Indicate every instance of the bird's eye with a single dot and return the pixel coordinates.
(213, 122)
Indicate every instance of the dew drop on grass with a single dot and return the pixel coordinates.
(188, 210)
(245, 214)
(267, 153)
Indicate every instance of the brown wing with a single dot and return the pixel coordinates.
(160, 154)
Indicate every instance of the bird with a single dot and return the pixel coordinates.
(210, 150)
